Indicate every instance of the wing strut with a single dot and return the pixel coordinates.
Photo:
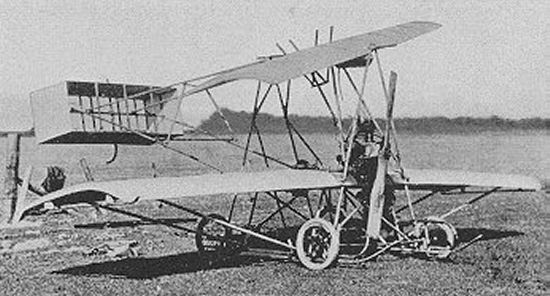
(468, 203)
(284, 108)
(253, 127)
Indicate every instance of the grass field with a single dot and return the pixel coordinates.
(511, 259)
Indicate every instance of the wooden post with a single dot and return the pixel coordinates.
(9, 200)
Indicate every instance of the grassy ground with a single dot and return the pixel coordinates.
(511, 259)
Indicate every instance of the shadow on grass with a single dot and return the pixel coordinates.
(467, 234)
(148, 268)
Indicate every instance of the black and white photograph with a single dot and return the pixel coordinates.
(292, 147)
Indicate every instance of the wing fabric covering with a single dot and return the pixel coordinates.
(425, 179)
(319, 57)
(197, 185)
(127, 191)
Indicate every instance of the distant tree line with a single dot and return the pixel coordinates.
(267, 123)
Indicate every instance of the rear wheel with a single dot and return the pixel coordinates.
(317, 244)
(440, 237)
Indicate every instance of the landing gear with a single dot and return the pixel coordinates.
(317, 244)
(214, 241)
(438, 237)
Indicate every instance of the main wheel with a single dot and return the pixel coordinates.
(214, 241)
(317, 244)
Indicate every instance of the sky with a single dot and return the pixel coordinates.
(489, 57)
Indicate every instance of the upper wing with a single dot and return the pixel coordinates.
(427, 179)
(319, 57)
(188, 186)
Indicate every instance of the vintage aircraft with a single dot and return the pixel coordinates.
(354, 219)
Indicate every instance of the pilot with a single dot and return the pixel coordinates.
(364, 153)
(363, 166)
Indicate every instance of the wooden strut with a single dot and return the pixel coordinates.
(159, 103)
(288, 205)
(416, 201)
(360, 95)
(342, 140)
(91, 108)
(232, 208)
(338, 109)
(303, 140)
(327, 104)
(247, 145)
(118, 115)
(292, 129)
(468, 203)
(464, 246)
(112, 113)
(136, 115)
(284, 108)
(281, 206)
(83, 121)
(262, 147)
(280, 210)
(252, 209)
(127, 106)
(96, 88)
(180, 98)
(341, 196)
(219, 110)
(253, 127)
(145, 218)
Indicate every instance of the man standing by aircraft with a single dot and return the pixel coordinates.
(364, 163)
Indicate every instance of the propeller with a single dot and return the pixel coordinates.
(376, 204)
(389, 113)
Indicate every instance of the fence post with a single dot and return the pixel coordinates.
(9, 200)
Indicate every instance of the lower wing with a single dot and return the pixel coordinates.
(132, 190)
(440, 179)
